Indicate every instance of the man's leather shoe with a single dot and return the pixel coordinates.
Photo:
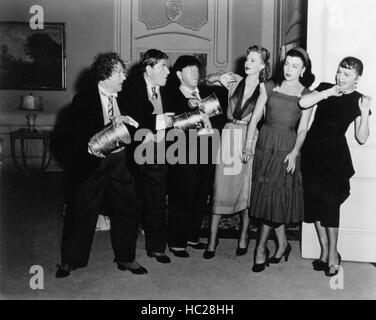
(198, 245)
(63, 270)
(180, 253)
(135, 270)
(162, 258)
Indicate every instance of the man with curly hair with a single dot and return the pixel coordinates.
(97, 182)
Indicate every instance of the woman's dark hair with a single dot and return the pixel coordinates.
(104, 64)
(353, 64)
(265, 55)
(151, 58)
(308, 77)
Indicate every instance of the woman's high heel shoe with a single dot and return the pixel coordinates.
(285, 254)
(319, 265)
(242, 251)
(333, 269)
(210, 254)
(258, 267)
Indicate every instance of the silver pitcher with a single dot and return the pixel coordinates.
(111, 138)
(198, 118)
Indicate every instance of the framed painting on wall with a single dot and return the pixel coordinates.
(32, 59)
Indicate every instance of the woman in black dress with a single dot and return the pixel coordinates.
(326, 159)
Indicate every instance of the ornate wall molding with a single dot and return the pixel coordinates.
(221, 32)
(214, 37)
(123, 29)
(190, 14)
(172, 33)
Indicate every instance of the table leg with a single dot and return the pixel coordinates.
(13, 153)
(23, 153)
(45, 164)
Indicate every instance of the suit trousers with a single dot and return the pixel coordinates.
(189, 187)
(154, 188)
(110, 187)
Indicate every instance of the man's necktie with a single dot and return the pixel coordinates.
(110, 107)
(195, 95)
(154, 94)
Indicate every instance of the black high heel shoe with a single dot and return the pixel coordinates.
(258, 267)
(285, 254)
(319, 265)
(333, 269)
(210, 254)
(242, 251)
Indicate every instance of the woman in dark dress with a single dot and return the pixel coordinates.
(326, 159)
(277, 191)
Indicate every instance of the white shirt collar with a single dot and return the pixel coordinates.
(188, 92)
(149, 85)
(105, 93)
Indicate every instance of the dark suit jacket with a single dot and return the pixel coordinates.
(86, 120)
(137, 103)
(178, 103)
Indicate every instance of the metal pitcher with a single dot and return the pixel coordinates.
(112, 137)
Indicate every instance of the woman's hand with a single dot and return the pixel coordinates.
(248, 152)
(365, 104)
(334, 91)
(291, 162)
(227, 78)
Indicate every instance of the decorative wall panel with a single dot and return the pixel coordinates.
(191, 14)
(197, 27)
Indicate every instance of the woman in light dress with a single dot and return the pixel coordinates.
(232, 185)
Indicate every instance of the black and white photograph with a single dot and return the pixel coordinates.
(187, 156)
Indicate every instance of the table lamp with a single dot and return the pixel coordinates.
(32, 104)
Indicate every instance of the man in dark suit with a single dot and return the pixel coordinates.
(189, 183)
(144, 96)
(101, 181)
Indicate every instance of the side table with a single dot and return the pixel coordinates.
(24, 135)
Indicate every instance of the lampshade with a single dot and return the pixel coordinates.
(31, 103)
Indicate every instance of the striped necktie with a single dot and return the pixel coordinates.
(154, 94)
(195, 95)
(110, 109)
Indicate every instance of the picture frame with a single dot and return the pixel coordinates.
(32, 59)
